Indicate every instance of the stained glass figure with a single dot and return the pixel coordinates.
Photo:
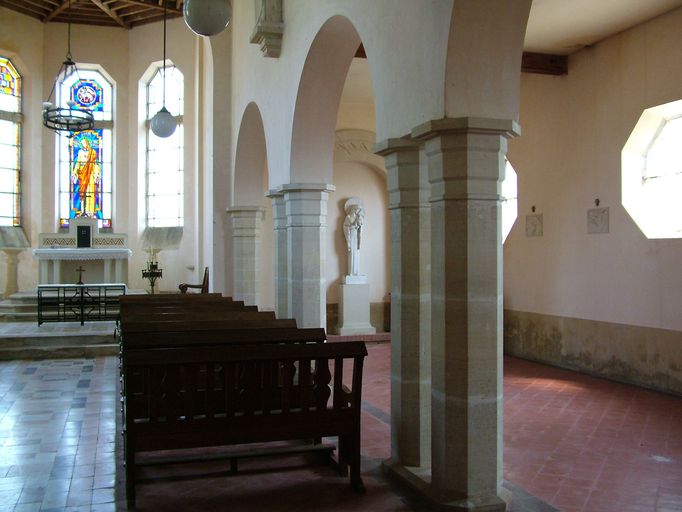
(86, 175)
(10, 144)
(10, 86)
(85, 163)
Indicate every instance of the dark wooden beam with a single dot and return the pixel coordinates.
(111, 14)
(544, 63)
(541, 63)
(59, 10)
(154, 5)
(22, 9)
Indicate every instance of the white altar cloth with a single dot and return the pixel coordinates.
(113, 269)
(48, 253)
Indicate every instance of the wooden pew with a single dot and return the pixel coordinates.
(189, 397)
(187, 319)
(239, 335)
(172, 297)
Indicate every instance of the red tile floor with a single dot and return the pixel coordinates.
(576, 442)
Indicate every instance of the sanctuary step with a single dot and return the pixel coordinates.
(24, 340)
(20, 307)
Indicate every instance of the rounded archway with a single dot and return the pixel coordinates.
(251, 215)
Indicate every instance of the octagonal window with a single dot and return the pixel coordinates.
(651, 168)
(510, 201)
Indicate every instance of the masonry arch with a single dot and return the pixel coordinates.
(317, 101)
(251, 159)
(251, 215)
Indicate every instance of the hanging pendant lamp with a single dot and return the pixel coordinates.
(163, 123)
(207, 17)
(74, 118)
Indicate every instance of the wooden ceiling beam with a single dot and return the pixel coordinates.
(110, 13)
(153, 5)
(544, 64)
(59, 10)
(23, 9)
(540, 63)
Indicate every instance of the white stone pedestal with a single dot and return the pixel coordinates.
(354, 307)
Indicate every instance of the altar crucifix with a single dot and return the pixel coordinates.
(80, 271)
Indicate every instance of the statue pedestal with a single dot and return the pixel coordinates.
(354, 307)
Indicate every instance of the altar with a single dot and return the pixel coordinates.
(103, 257)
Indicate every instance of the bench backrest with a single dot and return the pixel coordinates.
(210, 324)
(187, 397)
(237, 335)
(189, 306)
(140, 320)
(172, 297)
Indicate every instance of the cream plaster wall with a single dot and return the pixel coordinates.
(21, 39)
(124, 55)
(357, 179)
(574, 128)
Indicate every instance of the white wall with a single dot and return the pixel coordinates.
(574, 128)
(183, 264)
(415, 62)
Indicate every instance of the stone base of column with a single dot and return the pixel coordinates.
(418, 479)
(354, 309)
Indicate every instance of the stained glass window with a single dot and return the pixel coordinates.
(164, 173)
(85, 158)
(10, 144)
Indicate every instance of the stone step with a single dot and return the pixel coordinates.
(58, 352)
(20, 307)
(15, 316)
(19, 340)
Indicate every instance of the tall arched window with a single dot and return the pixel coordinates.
(164, 158)
(10, 144)
(85, 159)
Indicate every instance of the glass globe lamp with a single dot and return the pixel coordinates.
(207, 17)
(163, 123)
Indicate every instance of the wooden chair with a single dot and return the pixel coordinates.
(203, 287)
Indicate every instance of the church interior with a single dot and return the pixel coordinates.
(512, 270)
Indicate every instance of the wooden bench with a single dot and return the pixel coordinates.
(203, 287)
(188, 397)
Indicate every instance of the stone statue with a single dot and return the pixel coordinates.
(352, 229)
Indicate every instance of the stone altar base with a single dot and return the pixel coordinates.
(354, 307)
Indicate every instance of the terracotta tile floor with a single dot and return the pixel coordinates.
(578, 443)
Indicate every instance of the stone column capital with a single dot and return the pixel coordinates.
(275, 193)
(246, 211)
(390, 146)
(288, 188)
(507, 128)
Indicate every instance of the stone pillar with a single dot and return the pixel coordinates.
(466, 168)
(246, 226)
(279, 221)
(410, 400)
(11, 280)
(306, 209)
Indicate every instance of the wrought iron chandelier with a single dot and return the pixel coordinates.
(71, 119)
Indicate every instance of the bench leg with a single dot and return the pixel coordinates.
(342, 454)
(129, 458)
(354, 455)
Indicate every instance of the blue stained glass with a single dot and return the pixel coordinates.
(87, 94)
(86, 174)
